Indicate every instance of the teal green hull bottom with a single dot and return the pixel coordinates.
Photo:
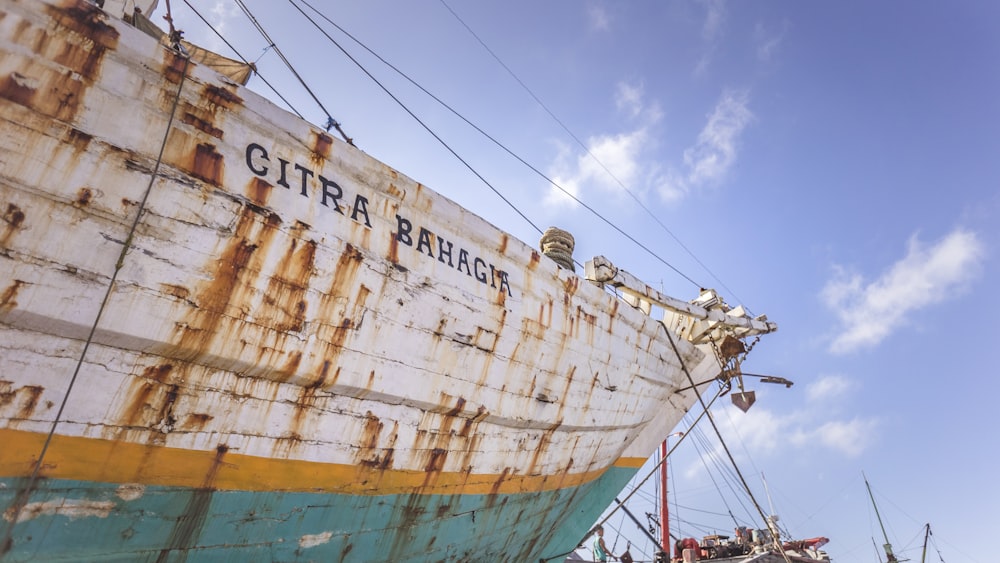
(83, 521)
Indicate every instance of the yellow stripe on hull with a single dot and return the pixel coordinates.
(94, 459)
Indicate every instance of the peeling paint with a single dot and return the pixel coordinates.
(130, 491)
(312, 540)
(70, 508)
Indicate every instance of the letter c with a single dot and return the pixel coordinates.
(255, 148)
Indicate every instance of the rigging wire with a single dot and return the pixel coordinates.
(489, 137)
(331, 122)
(705, 449)
(410, 112)
(701, 444)
(656, 467)
(252, 65)
(13, 513)
(676, 511)
(711, 419)
(590, 154)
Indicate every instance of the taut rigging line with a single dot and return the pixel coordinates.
(480, 131)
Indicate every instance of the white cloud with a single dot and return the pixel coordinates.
(925, 276)
(616, 160)
(764, 432)
(618, 154)
(715, 152)
(598, 18)
(768, 41)
(715, 17)
(850, 438)
(711, 29)
(668, 186)
(629, 99)
(828, 387)
(613, 160)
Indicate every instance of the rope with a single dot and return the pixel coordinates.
(746, 486)
(260, 29)
(595, 159)
(22, 499)
(252, 65)
(638, 487)
(413, 115)
(500, 145)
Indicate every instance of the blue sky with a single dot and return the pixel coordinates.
(833, 165)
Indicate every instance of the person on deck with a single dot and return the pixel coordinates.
(601, 551)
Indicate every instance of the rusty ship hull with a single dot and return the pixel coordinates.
(225, 335)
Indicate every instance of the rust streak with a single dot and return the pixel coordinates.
(284, 304)
(28, 396)
(222, 97)
(8, 299)
(158, 372)
(259, 191)
(195, 421)
(79, 139)
(14, 218)
(393, 249)
(189, 524)
(83, 197)
(139, 404)
(7, 393)
(201, 124)
(369, 454)
(19, 89)
(536, 258)
(83, 20)
(459, 405)
(208, 164)
(227, 286)
(174, 68)
(346, 271)
(322, 145)
(177, 291)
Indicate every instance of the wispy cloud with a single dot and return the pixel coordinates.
(623, 158)
(829, 387)
(708, 161)
(715, 18)
(809, 429)
(711, 30)
(871, 311)
(850, 437)
(768, 40)
(598, 18)
(613, 160)
(629, 99)
(715, 152)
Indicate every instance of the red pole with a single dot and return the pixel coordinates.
(664, 512)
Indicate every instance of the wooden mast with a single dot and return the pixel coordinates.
(888, 546)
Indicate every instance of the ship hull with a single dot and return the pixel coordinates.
(113, 522)
(226, 335)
